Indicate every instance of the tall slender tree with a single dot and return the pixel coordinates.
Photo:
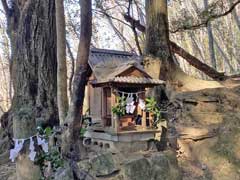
(62, 95)
(82, 72)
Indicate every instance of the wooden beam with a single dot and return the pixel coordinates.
(114, 120)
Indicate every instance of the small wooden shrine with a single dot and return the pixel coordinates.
(116, 96)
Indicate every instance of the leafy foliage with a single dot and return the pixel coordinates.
(52, 158)
(152, 106)
(46, 132)
(82, 131)
(120, 108)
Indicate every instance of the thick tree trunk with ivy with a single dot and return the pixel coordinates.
(32, 32)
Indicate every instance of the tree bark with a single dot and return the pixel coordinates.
(225, 58)
(62, 95)
(72, 68)
(235, 15)
(210, 40)
(157, 36)
(32, 33)
(82, 72)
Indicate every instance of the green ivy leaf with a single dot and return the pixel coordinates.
(48, 131)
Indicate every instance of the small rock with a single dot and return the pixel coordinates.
(103, 165)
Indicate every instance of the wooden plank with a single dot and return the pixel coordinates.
(113, 103)
(95, 103)
(144, 119)
(134, 71)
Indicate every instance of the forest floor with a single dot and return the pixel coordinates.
(208, 128)
(7, 171)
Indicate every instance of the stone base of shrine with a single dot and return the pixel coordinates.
(119, 142)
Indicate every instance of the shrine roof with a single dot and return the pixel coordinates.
(107, 65)
(131, 80)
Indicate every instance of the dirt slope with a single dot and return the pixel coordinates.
(208, 130)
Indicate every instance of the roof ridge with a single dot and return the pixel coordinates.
(111, 51)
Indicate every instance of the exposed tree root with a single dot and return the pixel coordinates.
(184, 82)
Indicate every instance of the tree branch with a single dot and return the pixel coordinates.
(134, 29)
(206, 21)
(5, 6)
(72, 67)
(211, 72)
(183, 53)
(109, 18)
(137, 23)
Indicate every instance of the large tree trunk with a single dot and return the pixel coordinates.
(82, 72)
(32, 32)
(62, 95)
(160, 60)
(157, 36)
(158, 52)
(34, 59)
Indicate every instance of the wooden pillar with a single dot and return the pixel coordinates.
(144, 120)
(114, 119)
(151, 116)
(143, 113)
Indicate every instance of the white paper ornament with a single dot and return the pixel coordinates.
(130, 107)
(129, 99)
(43, 143)
(142, 104)
(18, 145)
(45, 147)
(13, 154)
(40, 140)
(31, 146)
(32, 155)
(32, 150)
(127, 109)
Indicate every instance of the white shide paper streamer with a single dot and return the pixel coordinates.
(18, 145)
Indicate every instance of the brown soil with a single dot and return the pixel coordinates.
(208, 130)
(7, 171)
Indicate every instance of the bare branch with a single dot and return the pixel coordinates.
(211, 72)
(136, 23)
(134, 29)
(110, 18)
(205, 22)
(5, 6)
(72, 67)
(103, 12)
